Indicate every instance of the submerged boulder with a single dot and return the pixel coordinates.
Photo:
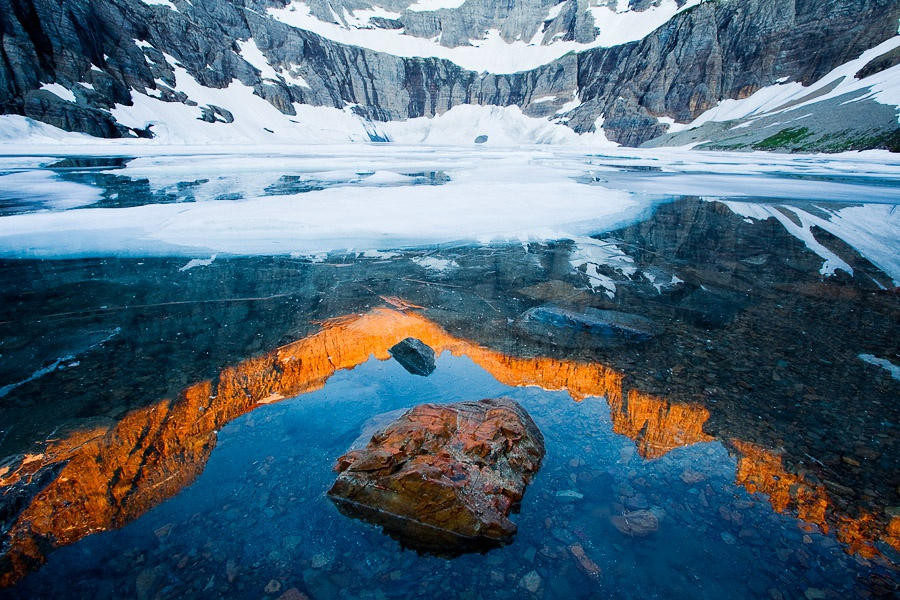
(610, 324)
(414, 355)
(444, 479)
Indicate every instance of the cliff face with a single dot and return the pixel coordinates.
(722, 50)
(105, 52)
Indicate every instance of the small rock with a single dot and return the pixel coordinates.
(531, 581)
(273, 586)
(144, 583)
(728, 538)
(414, 355)
(585, 564)
(638, 523)
(570, 495)
(231, 570)
(815, 594)
(293, 594)
(163, 531)
(318, 561)
(691, 477)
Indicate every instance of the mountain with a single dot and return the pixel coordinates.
(765, 74)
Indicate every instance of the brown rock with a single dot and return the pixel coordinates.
(587, 566)
(444, 478)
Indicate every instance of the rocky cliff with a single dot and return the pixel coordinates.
(75, 64)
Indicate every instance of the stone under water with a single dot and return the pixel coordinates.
(443, 479)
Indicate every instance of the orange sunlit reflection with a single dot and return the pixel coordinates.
(112, 476)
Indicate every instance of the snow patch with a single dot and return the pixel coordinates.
(872, 230)
(432, 5)
(438, 265)
(589, 255)
(59, 90)
(491, 54)
(166, 3)
(620, 27)
(782, 97)
(198, 262)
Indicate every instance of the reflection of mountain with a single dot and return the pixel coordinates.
(112, 477)
(656, 425)
(762, 471)
(107, 478)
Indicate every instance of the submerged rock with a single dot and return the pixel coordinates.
(414, 355)
(443, 479)
(637, 523)
(603, 323)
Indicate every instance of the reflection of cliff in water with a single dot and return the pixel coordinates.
(104, 479)
(112, 477)
(756, 347)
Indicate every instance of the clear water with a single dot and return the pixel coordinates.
(260, 507)
(747, 421)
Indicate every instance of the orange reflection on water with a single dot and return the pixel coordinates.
(762, 471)
(113, 476)
(657, 425)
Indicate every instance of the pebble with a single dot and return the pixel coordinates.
(273, 586)
(570, 495)
(293, 594)
(585, 564)
(531, 581)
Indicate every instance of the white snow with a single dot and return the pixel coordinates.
(491, 195)
(786, 97)
(198, 262)
(872, 230)
(885, 364)
(433, 263)
(48, 190)
(431, 5)
(253, 55)
(491, 54)
(620, 27)
(59, 90)
(166, 3)
(503, 126)
(590, 254)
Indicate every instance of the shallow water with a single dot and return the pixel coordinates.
(260, 507)
(155, 448)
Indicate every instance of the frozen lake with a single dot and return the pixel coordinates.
(151, 446)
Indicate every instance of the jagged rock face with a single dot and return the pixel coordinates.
(721, 50)
(444, 478)
(107, 51)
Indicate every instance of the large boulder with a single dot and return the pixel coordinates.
(443, 479)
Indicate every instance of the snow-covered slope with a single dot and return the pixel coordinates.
(791, 115)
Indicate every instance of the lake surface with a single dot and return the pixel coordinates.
(155, 445)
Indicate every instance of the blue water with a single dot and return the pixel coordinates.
(257, 523)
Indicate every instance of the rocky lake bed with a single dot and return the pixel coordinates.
(714, 376)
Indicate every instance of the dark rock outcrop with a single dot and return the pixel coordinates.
(105, 51)
(443, 479)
